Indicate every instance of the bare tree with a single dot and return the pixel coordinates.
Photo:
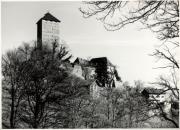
(162, 17)
(11, 63)
(40, 76)
(30, 79)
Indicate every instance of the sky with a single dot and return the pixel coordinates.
(128, 48)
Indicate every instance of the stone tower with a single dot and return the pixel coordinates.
(47, 30)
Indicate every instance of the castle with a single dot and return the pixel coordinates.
(100, 72)
(47, 29)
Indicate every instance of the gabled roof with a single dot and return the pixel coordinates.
(81, 61)
(101, 59)
(49, 17)
(154, 91)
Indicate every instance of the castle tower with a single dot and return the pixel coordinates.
(47, 30)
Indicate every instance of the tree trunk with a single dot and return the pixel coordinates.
(12, 108)
(36, 113)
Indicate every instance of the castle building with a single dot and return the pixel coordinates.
(47, 30)
(83, 69)
(99, 71)
(96, 71)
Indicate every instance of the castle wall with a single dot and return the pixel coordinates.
(95, 90)
(77, 70)
(50, 31)
(89, 73)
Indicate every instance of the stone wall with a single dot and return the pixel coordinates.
(50, 31)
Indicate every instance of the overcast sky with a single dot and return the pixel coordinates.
(127, 48)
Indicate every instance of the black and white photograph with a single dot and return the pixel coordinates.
(90, 64)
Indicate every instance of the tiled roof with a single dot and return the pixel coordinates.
(49, 17)
(100, 59)
(154, 91)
